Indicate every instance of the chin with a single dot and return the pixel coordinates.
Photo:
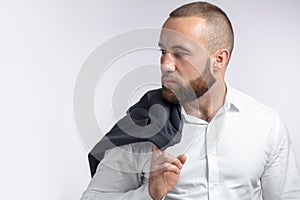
(169, 95)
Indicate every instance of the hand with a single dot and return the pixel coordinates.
(165, 172)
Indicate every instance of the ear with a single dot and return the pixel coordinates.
(221, 59)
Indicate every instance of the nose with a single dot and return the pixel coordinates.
(167, 62)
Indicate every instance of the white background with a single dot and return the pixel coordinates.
(43, 45)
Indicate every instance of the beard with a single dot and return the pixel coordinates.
(194, 89)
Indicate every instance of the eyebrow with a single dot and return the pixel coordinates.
(175, 47)
(160, 45)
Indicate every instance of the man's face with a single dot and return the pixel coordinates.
(185, 65)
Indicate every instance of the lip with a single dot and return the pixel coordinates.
(168, 82)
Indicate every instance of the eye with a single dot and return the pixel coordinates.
(179, 54)
(163, 52)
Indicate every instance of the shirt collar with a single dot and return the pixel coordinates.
(191, 119)
(231, 104)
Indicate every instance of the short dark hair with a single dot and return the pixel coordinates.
(219, 33)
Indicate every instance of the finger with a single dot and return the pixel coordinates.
(182, 158)
(159, 157)
(178, 163)
(165, 157)
(166, 167)
(172, 168)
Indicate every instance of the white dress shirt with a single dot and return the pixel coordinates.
(244, 153)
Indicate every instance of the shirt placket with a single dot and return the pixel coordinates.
(213, 175)
(214, 132)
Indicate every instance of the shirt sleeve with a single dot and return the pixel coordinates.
(119, 176)
(281, 178)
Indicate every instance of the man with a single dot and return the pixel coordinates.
(231, 147)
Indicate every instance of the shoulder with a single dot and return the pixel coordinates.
(261, 121)
(252, 108)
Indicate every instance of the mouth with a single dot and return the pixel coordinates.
(168, 82)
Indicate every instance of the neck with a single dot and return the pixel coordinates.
(206, 106)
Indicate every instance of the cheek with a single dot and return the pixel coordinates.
(188, 71)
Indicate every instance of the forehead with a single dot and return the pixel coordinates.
(188, 31)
